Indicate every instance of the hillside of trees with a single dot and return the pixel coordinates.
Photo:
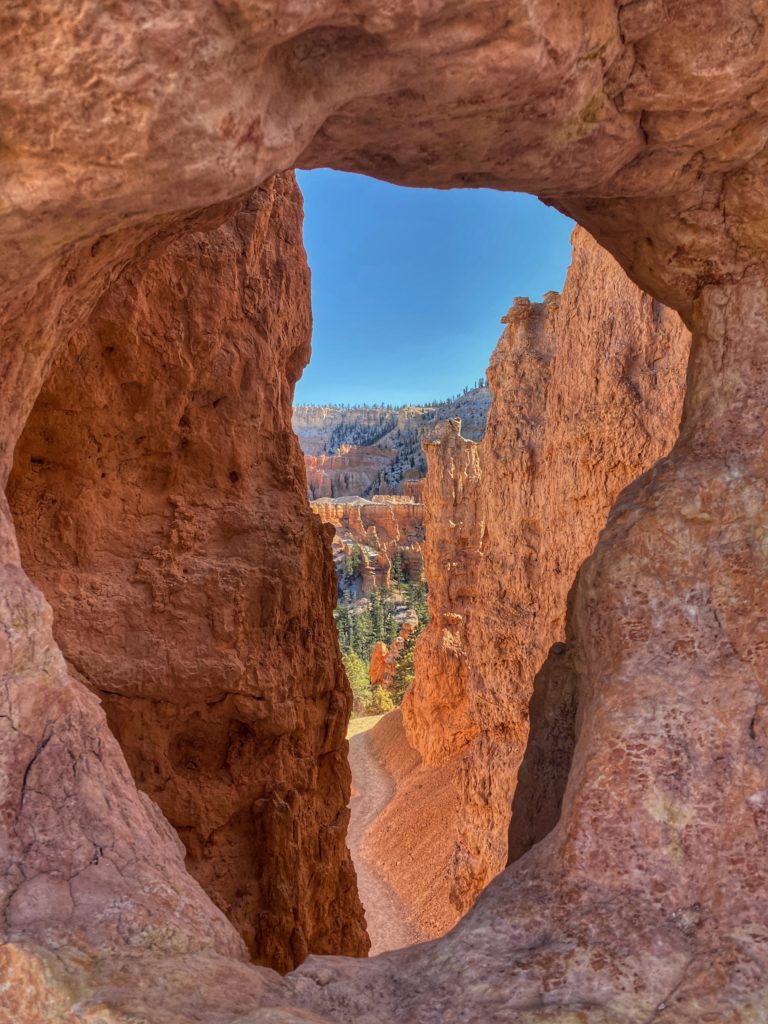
(361, 623)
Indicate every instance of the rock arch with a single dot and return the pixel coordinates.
(646, 121)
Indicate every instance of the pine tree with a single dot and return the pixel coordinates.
(357, 674)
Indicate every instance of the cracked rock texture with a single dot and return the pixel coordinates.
(158, 493)
(645, 121)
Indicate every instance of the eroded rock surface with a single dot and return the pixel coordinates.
(353, 470)
(645, 121)
(376, 451)
(437, 709)
(588, 391)
(158, 494)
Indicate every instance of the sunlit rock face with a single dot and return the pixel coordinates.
(436, 710)
(588, 390)
(386, 525)
(153, 489)
(647, 122)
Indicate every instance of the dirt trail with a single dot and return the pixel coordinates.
(372, 788)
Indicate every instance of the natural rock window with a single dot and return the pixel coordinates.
(138, 134)
(492, 499)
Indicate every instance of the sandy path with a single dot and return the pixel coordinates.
(388, 924)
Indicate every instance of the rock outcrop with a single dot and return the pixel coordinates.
(588, 391)
(387, 529)
(376, 451)
(437, 709)
(152, 488)
(353, 471)
(646, 122)
(384, 658)
(389, 522)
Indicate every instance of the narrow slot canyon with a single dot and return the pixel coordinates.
(435, 713)
(583, 394)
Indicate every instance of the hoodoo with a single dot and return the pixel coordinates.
(127, 131)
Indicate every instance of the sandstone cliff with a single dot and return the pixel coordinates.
(153, 487)
(369, 451)
(354, 470)
(588, 390)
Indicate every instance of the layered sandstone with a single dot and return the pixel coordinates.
(353, 471)
(377, 451)
(152, 488)
(386, 529)
(388, 522)
(645, 121)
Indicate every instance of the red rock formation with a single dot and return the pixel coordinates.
(152, 520)
(437, 709)
(588, 391)
(379, 669)
(414, 489)
(645, 121)
(384, 659)
(353, 471)
(387, 526)
(388, 522)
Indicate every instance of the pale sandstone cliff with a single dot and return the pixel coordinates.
(389, 522)
(153, 486)
(367, 452)
(352, 471)
(646, 122)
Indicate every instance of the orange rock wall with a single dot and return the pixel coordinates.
(437, 708)
(159, 497)
(588, 391)
(397, 522)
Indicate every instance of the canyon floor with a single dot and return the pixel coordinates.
(389, 923)
(400, 836)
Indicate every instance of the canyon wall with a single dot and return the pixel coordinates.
(387, 530)
(155, 489)
(588, 390)
(354, 470)
(436, 709)
(647, 123)
(388, 522)
(368, 451)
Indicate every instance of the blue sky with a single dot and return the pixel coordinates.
(409, 285)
